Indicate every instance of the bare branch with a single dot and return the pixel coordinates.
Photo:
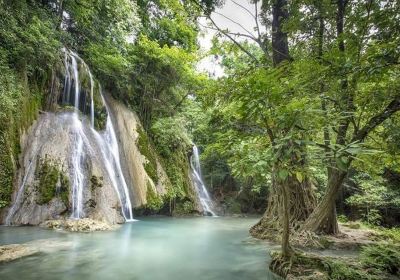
(235, 22)
(230, 33)
(256, 19)
(244, 8)
(229, 36)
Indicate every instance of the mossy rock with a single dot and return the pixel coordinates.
(96, 182)
(183, 208)
(145, 149)
(51, 182)
(15, 117)
(154, 200)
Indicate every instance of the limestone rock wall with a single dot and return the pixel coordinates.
(39, 194)
(127, 126)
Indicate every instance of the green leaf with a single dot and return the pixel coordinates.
(283, 174)
(299, 176)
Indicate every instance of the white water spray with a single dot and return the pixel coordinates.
(18, 198)
(107, 142)
(204, 197)
(110, 152)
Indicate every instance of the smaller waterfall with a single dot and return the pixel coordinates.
(18, 198)
(110, 152)
(204, 197)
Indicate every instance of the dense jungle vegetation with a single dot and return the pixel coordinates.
(303, 127)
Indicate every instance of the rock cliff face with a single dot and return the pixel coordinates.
(128, 127)
(43, 187)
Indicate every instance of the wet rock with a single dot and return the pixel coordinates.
(15, 251)
(53, 138)
(81, 225)
(127, 125)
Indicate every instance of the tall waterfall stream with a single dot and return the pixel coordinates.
(202, 193)
(106, 140)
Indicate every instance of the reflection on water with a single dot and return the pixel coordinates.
(151, 249)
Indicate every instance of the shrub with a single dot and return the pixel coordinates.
(384, 257)
(339, 270)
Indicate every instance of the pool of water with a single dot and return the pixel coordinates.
(203, 248)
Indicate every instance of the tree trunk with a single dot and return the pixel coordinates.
(287, 250)
(280, 47)
(301, 202)
(323, 219)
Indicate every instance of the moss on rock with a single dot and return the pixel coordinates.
(18, 109)
(96, 182)
(146, 150)
(183, 208)
(50, 182)
(154, 201)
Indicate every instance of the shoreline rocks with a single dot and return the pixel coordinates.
(81, 225)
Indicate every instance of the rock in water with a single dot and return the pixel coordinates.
(15, 251)
(81, 225)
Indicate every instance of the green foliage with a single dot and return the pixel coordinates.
(392, 234)
(146, 149)
(169, 135)
(372, 195)
(154, 201)
(28, 37)
(173, 145)
(383, 257)
(18, 108)
(232, 206)
(338, 270)
(169, 22)
(183, 208)
(162, 77)
(97, 21)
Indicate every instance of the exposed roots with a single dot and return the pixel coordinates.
(301, 203)
(309, 239)
(280, 265)
(300, 266)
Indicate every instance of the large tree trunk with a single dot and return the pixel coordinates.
(323, 219)
(280, 47)
(301, 202)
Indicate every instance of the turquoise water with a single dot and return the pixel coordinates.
(203, 248)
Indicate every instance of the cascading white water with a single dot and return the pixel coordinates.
(107, 142)
(77, 157)
(18, 198)
(204, 197)
(110, 152)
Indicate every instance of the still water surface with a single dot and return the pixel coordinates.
(202, 248)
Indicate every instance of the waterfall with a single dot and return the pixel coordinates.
(106, 140)
(110, 152)
(204, 197)
(18, 199)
